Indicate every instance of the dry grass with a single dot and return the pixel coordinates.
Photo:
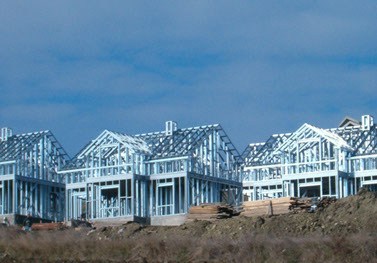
(74, 246)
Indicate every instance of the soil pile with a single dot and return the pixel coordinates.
(354, 214)
(344, 231)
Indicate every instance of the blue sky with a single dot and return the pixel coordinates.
(256, 67)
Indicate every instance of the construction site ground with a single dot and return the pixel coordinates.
(345, 231)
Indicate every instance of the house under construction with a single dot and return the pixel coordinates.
(155, 177)
(29, 183)
(313, 162)
(152, 177)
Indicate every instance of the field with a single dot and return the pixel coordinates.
(344, 232)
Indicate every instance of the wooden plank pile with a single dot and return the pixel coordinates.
(301, 204)
(47, 226)
(282, 205)
(305, 204)
(210, 212)
(268, 207)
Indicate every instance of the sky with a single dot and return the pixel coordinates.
(256, 67)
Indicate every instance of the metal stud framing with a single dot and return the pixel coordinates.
(29, 183)
(153, 174)
(313, 162)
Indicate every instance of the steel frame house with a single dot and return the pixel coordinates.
(150, 176)
(313, 162)
(29, 183)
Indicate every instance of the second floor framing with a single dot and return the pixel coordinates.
(36, 155)
(205, 150)
(351, 149)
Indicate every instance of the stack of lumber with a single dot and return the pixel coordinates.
(210, 212)
(268, 207)
(47, 226)
(305, 204)
(282, 205)
(302, 204)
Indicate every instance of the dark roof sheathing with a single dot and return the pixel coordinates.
(348, 121)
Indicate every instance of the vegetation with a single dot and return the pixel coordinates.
(346, 231)
(77, 246)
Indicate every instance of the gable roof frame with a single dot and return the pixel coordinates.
(127, 141)
(183, 142)
(19, 143)
(263, 152)
(307, 128)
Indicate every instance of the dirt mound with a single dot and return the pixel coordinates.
(354, 214)
(351, 214)
(344, 231)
